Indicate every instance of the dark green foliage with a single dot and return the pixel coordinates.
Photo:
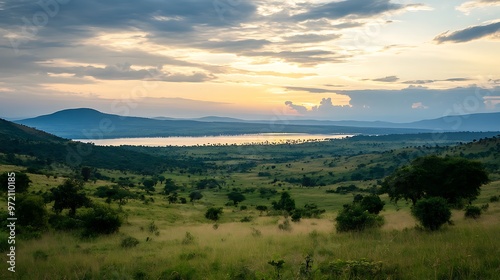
(195, 195)
(100, 219)
(432, 212)
(86, 173)
(22, 181)
(170, 186)
(213, 213)
(61, 222)
(472, 212)
(114, 193)
(278, 266)
(69, 195)
(31, 212)
(261, 208)
(286, 203)
(296, 216)
(236, 197)
(310, 210)
(354, 218)
(207, 184)
(129, 242)
(494, 198)
(451, 178)
(149, 185)
(357, 269)
(172, 198)
(372, 203)
(183, 200)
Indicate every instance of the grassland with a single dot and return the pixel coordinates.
(188, 246)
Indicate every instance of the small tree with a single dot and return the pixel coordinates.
(372, 203)
(195, 195)
(172, 198)
(285, 203)
(101, 219)
(213, 213)
(354, 218)
(69, 195)
(31, 212)
(261, 208)
(19, 179)
(472, 211)
(170, 186)
(236, 197)
(86, 173)
(149, 185)
(432, 212)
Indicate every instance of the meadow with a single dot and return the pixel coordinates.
(176, 241)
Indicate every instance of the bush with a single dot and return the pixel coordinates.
(432, 212)
(100, 219)
(472, 212)
(246, 219)
(213, 213)
(354, 218)
(494, 198)
(372, 203)
(129, 242)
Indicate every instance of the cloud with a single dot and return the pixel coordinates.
(303, 58)
(350, 9)
(310, 38)
(470, 5)
(469, 34)
(421, 82)
(308, 89)
(388, 79)
(298, 108)
(408, 104)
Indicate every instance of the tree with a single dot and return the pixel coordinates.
(18, 179)
(372, 203)
(69, 195)
(453, 179)
(172, 198)
(100, 219)
(170, 186)
(195, 195)
(285, 203)
(236, 197)
(354, 218)
(207, 184)
(86, 173)
(432, 212)
(213, 213)
(149, 185)
(261, 208)
(31, 212)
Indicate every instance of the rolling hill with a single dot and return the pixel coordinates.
(86, 123)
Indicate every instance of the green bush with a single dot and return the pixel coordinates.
(213, 213)
(100, 219)
(432, 212)
(494, 198)
(354, 218)
(372, 203)
(129, 242)
(472, 212)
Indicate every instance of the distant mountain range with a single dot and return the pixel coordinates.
(87, 123)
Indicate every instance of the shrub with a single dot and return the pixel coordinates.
(372, 203)
(129, 242)
(472, 212)
(213, 213)
(100, 219)
(285, 226)
(296, 216)
(354, 218)
(494, 198)
(432, 212)
(188, 239)
(246, 219)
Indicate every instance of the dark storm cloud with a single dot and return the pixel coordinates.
(351, 8)
(469, 34)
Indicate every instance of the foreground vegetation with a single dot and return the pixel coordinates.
(226, 213)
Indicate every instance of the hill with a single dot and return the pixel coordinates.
(91, 124)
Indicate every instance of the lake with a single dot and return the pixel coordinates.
(246, 139)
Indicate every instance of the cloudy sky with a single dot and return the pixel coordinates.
(395, 60)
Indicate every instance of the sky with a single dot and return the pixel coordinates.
(373, 60)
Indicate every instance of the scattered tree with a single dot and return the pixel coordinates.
(213, 213)
(453, 179)
(372, 203)
(236, 197)
(195, 195)
(261, 208)
(31, 212)
(286, 203)
(69, 195)
(170, 186)
(21, 180)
